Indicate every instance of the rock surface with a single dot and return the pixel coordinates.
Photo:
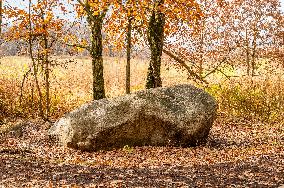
(181, 115)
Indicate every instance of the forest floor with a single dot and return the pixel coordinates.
(237, 154)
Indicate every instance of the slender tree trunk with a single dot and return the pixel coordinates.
(247, 53)
(128, 39)
(32, 99)
(46, 76)
(35, 70)
(45, 64)
(200, 66)
(253, 67)
(1, 16)
(97, 58)
(156, 42)
(201, 45)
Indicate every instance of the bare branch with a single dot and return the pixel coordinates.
(182, 63)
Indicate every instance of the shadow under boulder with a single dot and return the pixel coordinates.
(180, 115)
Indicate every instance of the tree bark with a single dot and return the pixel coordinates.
(247, 53)
(253, 66)
(156, 41)
(46, 64)
(95, 24)
(128, 53)
(46, 75)
(1, 16)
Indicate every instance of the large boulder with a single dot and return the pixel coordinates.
(181, 115)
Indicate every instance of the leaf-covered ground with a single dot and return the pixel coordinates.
(238, 154)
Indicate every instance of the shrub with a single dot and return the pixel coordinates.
(251, 98)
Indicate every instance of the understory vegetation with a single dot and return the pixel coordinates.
(259, 98)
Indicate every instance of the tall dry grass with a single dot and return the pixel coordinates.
(71, 83)
(260, 98)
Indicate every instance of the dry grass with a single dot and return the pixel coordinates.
(260, 98)
(251, 99)
(71, 83)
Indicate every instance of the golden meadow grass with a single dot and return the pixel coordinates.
(71, 85)
(258, 98)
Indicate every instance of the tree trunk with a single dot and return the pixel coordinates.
(253, 66)
(45, 62)
(128, 53)
(97, 58)
(35, 69)
(46, 76)
(1, 16)
(156, 41)
(247, 53)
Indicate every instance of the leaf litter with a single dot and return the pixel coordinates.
(237, 154)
